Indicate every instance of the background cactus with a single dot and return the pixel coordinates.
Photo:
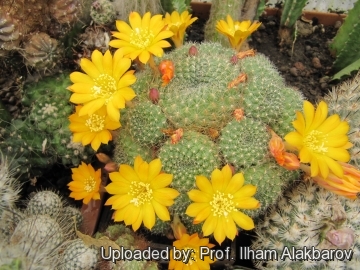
(49, 108)
(302, 218)
(346, 40)
(126, 238)
(102, 12)
(78, 256)
(178, 5)
(201, 100)
(343, 100)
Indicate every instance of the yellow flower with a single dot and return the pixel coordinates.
(320, 140)
(140, 193)
(177, 24)
(191, 242)
(106, 82)
(93, 128)
(217, 203)
(237, 32)
(85, 184)
(143, 37)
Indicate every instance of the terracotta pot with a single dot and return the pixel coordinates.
(202, 10)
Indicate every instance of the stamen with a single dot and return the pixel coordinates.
(222, 204)
(95, 122)
(315, 141)
(142, 193)
(105, 87)
(89, 184)
(141, 38)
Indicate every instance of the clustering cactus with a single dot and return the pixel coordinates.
(345, 42)
(126, 238)
(343, 100)
(204, 118)
(178, 5)
(49, 109)
(305, 217)
(33, 238)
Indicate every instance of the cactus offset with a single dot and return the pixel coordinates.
(78, 256)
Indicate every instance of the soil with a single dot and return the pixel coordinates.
(305, 66)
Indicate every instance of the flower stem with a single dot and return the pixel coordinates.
(153, 66)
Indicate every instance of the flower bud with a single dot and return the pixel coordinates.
(342, 238)
(154, 95)
(193, 51)
(234, 60)
(291, 161)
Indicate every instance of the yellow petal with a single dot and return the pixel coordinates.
(81, 98)
(161, 211)
(135, 20)
(305, 155)
(236, 182)
(294, 139)
(97, 59)
(95, 143)
(246, 191)
(329, 124)
(339, 154)
(320, 115)
(154, 169)
(246, 203)
(144, 56)
(230, 228)
(166, 193)
(209, 225)
(91, 106)
(203, 214)
(148, 215)
(123, 27)
(161, 180)
(122, 201)
(113, 112)
(334, 166)
(314, 167)
(204, 184)
(219, 232)
(199, 196)
(79, 77)
(89, 68)
(128, 172)
(309, 112)
(217, 180)
(242, 220)
(138, 221)
(108, 63)
(193, 209)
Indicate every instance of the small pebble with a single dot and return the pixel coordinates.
(337, 24)
(324, 79)
(294, 71)
(324, 86)
(300, 66)
(307, 48)
(316, 62)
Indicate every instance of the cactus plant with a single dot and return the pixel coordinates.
(306, 216)
(102, 12)
(49, 109)
(345, 42)
(127, 239)
(200, 106)
(45, 203)
(78, 256)
(41, 51)
(178, 5)
(343, 100)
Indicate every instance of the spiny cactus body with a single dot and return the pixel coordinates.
(78, 256)
(343, 100)
(45, 203)
(213, 112)
(304, 217)
(102, 12)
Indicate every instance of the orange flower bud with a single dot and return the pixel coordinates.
(291, 161)
(239, 114)
(176, 137)
(167, 69)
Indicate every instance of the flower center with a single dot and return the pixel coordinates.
(315, 141)
(141, 38)
(222, 204)
(95, 122)
(141, 191)
(104, 87)
(89, 184)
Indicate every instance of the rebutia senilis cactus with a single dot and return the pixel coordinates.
(219, 121)
(310, 216)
